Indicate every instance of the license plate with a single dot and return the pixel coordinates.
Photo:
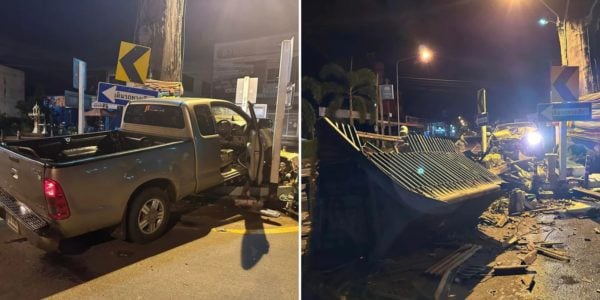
(12, 223)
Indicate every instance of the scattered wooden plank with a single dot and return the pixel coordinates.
(553, 254)
(442, 285)
(511, 241)
(510, 270)
(529, 258)
(548, 244)
(438, 267)
(587, 192)
(502, 221)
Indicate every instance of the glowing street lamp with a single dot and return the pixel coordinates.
(543, 22)
(425, 54)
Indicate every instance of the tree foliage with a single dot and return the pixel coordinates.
(356, 88)
(337, 88)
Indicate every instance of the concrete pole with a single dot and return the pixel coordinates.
(484, 127)
(377, 103)
(80, 109)
(398, 98)
(563, 150)
(283, 91)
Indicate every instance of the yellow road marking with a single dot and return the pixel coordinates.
(288, 229)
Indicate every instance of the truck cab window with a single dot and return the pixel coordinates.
(155, 115)
(205, 120)
(223, 113)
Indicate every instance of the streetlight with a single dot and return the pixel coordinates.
(425, 55)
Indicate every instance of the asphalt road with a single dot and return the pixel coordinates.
(213, 252)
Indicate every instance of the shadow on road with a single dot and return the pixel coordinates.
(254, 243)
(95, 254)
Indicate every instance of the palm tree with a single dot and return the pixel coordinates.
(312, 97)
(358, 87)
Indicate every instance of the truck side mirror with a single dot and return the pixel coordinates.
(265, 123)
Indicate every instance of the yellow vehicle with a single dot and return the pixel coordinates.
(513, 139)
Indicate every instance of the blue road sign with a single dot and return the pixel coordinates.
(120, 94)
(564, 111)
(76, 75)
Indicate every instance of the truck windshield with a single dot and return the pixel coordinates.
(155, 115)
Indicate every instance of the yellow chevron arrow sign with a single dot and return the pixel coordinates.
(133, 62)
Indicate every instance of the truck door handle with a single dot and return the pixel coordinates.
(13, 159)
(14, 173)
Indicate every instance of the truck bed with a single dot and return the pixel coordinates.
(75, 147)
(98, 175)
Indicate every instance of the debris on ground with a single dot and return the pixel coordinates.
(270, 213)
(560, 255)
(585, 192)
(471, 271)
(528, 281)
(507, 259)
(453, 260)
(447, 265)
(529, 258)
(510, 269)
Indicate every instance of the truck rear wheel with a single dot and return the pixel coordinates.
(148, 215)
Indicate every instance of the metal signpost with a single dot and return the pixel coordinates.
(79, 79)
(121, 95)
(564, 82)
(387, 93)
(482, 112)
(285, 73)
(564, 111)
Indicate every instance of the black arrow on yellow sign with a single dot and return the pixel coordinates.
(132, 63)
(129, 59)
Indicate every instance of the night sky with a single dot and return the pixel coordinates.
(41, 37)
(493, 44)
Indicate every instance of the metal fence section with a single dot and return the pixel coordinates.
(350, 133)
(437, 175)
(429, 144)
(429, 166)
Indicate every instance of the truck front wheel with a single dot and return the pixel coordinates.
(148, 215)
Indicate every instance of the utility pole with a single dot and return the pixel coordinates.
(160, 26)
(575, 28)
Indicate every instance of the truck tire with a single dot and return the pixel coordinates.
(148, 215)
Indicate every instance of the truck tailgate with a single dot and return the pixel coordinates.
(22, 178)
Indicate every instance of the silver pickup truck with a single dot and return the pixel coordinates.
(60, 187)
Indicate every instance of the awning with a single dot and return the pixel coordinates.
(97, 112)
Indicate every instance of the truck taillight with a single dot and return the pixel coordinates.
(58, 208)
